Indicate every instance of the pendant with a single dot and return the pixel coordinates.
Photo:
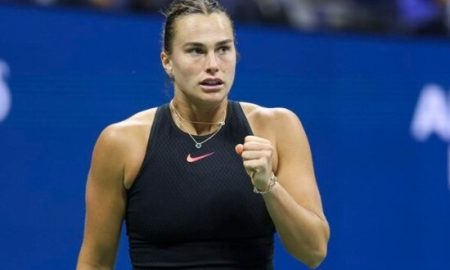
(198, 145)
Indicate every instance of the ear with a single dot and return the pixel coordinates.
(166, 63)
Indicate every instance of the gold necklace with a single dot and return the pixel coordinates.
(198, 144)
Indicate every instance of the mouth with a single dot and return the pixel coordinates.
(211, 84)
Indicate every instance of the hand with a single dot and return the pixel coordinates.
(257, 153)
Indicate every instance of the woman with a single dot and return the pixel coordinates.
(181, 175)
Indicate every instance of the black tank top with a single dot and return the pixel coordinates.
(194, 208)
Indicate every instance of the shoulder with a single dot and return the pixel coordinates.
(119, 132)
(280, 125)
(270, 117)
(120, 148)
(123, 134)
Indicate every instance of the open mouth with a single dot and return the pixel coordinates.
(211, 83)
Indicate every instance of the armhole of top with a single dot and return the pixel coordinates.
(150, 147)
(243, 119)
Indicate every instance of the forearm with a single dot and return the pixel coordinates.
(94, 259)
(88, 266)
(304, 233)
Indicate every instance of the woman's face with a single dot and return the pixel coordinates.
(203, 58)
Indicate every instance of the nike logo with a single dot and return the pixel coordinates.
(194, 159)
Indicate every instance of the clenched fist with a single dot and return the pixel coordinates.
(256, 153)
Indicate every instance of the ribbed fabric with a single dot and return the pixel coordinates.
(198, 215)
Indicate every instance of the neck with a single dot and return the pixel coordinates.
(198, 120)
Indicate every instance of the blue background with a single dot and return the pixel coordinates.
(385, 194)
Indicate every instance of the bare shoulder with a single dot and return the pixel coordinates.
(276, 120)
(125, 131)
(122, 145)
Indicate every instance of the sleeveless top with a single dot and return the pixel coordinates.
(197, 212)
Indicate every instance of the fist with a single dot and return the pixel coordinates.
(256, 153)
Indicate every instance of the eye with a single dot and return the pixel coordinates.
(195, 51)
(223, 49)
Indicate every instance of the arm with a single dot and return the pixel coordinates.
(105, 203)
(294, 202)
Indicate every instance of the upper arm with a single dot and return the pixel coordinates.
(105, 200)
(295, 169)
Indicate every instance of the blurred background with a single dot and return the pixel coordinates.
(416, 17)
(369, 80)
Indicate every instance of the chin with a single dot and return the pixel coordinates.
(212, 99)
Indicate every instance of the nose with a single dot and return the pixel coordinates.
(212, 65)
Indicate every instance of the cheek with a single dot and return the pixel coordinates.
(230, 61)
(230, 66)
(187, 75)
(187, 66)
(190, 73)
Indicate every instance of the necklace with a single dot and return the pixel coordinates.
(198, 144)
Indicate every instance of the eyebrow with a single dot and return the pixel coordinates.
(199, 44)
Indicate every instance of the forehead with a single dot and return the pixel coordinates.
(203, 28)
